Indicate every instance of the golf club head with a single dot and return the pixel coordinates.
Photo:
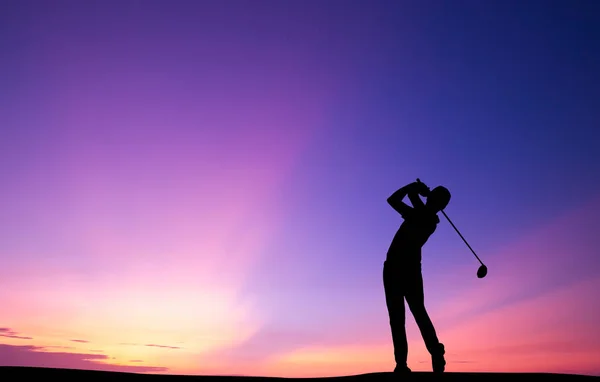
(482, 271)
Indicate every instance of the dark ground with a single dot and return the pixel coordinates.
(37, 374)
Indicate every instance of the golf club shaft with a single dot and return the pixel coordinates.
(461, 236)
(458, 232)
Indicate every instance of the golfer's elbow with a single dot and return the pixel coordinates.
(390, 200)
(396, 197)
(395, 202)
(399, 206)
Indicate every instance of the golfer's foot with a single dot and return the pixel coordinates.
(437, 360)
(401, 369)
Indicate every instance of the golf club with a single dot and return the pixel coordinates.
(482, 271)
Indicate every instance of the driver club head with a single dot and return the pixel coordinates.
(482, 271)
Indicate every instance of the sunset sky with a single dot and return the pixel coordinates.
(199, 187)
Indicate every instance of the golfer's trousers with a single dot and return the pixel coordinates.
(403, 281)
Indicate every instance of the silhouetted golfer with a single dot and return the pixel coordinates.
(402, 278)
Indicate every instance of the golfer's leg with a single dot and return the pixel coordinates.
(394, 300)
(416, 302)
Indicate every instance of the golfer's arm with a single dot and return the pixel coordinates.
(395, 200)
(415, 200)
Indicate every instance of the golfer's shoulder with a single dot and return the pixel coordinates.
(422, 213)
(429, 219)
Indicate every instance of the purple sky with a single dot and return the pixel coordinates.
(212, 176)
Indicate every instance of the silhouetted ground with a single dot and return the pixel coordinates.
(37, 374)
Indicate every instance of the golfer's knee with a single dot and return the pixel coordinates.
(418, 310)
(396, 313)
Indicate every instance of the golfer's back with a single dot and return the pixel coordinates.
(414, 232)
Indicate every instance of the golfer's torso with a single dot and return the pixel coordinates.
(410, 237)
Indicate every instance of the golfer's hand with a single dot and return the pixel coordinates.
(421, 189)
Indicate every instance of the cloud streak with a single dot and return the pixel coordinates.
(6, 332)
(13, 355)
(163, 346)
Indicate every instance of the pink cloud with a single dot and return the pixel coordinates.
(6, 332)
(35, 356)
(163, 346)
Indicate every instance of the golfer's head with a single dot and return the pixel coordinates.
(438, 198)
